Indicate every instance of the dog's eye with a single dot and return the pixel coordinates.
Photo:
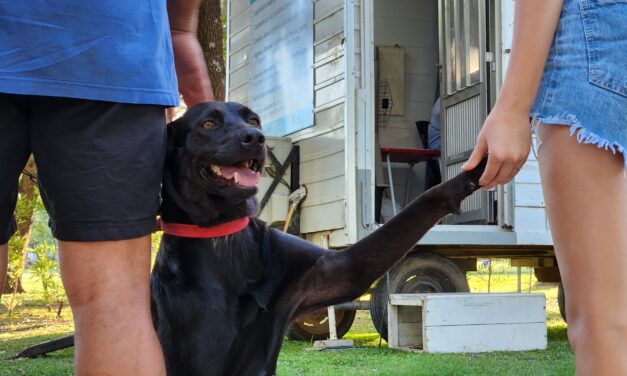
(208, 124)
(254, 122)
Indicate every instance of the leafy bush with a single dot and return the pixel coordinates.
(23, 215)
(46, 270)
(155, 241)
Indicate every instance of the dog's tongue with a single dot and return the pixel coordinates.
(242, 175)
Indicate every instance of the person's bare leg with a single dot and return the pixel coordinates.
(108, 287)
(585, 191)
(4, 264)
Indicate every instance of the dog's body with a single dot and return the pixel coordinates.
(221, 306)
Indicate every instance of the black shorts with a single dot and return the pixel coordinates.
(99, 164)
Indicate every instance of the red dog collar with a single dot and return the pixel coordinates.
(193, 231)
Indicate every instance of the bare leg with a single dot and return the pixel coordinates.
(108, 288)
(4, 263)
(585, 190)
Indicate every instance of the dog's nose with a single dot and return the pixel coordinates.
(251, 137)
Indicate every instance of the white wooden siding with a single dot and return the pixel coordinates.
(322, 146)
(529, 214)
(239, 48)
(322, 151)
(530, 220)
(467, 322)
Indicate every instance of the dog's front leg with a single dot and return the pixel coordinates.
(343, 276)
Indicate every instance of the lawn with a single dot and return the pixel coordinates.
(32, 323)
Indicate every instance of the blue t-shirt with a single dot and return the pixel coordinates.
(433, 132)
(109, 50)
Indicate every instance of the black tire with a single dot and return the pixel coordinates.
(313, 326)
(378, 307)
(561, 300)
(419, 273)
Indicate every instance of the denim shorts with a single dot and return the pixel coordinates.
(584, 84)
(99, 164)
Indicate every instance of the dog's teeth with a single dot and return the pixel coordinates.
(216, 170)
(236, 178)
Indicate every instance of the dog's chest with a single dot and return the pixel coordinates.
(214, 299)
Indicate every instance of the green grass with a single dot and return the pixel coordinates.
(32, 323)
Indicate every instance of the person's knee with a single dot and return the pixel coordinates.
(106, 275)
(588, 331)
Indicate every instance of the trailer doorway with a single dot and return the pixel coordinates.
(425, 51)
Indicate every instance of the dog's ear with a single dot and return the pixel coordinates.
(176, 133)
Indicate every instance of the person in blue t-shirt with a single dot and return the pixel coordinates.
(83, 87)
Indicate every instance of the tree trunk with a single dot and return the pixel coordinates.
(210, 35)
(27, 191)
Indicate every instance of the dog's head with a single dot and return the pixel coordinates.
(215, 155)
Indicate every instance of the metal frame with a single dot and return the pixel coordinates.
(464, 89)
(350, 137)
(293, 161)
(365, 120)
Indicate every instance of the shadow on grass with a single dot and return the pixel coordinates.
(557, 333)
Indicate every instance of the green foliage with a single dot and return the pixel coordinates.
(46, 267)
(14, 270)
(497, 275)
(24, 209)
(40, 232)
(155, 241)
(46, 271)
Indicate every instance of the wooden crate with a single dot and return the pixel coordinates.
(465, 322)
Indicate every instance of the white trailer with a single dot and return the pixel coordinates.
(342, 79)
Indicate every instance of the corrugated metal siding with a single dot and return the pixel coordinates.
(463, 120)
(474, 201)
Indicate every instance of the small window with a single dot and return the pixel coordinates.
(462, 34)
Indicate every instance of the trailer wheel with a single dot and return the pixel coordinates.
(561, 300)
(420, 273)
(314, 326)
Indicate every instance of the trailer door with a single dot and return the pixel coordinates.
(463, 80)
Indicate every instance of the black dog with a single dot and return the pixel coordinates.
(221, 305)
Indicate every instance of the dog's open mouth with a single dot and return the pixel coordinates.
(244, 173)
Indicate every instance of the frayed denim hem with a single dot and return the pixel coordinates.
(583, 135)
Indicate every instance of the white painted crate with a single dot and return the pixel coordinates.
(464, 322)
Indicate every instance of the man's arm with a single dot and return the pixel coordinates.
(191, 70)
